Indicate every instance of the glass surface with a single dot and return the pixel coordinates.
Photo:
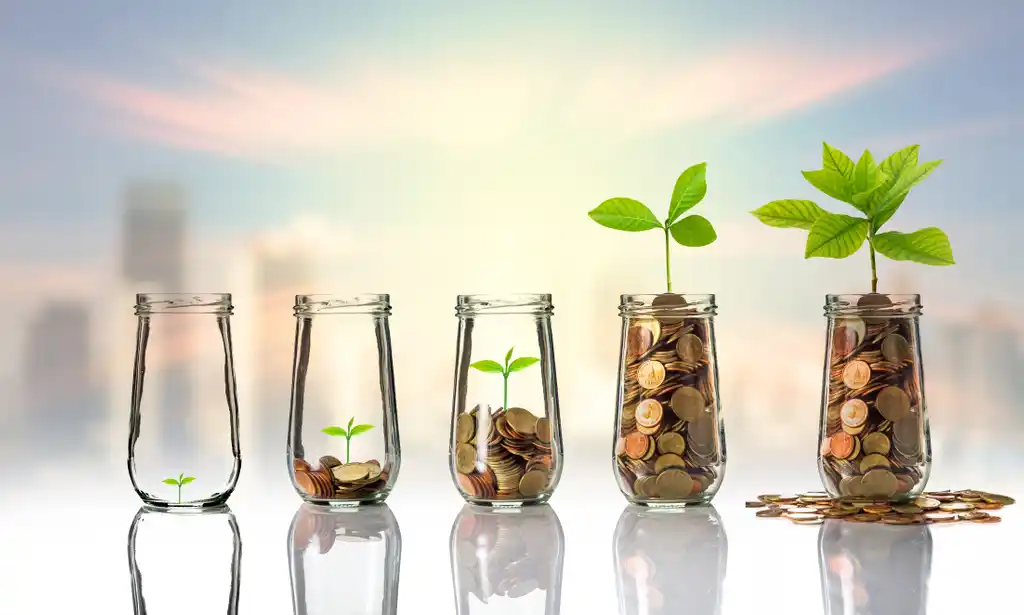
(874, 440)
(183, 448)
(344, 560)
(670, 560)
(869, 569)
(506, 435)
(507, 561)
(343, 443)
(185, 563)
(669, 444)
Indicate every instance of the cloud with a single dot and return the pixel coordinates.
(258, 112)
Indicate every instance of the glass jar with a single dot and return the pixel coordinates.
(867, 568)
(191, 563)
(343, 444)
(874, 440)
(506, 436)
(507, 560)
(344, 556)
(688, 576)
(669, 435)
(186, 453)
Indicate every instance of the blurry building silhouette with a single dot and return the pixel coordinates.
(154, 243)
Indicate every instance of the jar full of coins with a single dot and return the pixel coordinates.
(506, 437)
(874, 439)
(343, 444)
(669, 435)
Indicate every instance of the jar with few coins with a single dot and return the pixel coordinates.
(874, 441)
(506, 435)
(669, 444)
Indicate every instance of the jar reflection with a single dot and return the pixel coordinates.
(506, 560)
(670, 560)
(191, 562)
(868, 569)
(347, 559)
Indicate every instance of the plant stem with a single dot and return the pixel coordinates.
(348, 447)
(874, 272)
(505, 400)
(179, 493)
(668, 263)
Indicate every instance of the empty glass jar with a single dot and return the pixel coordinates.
(874, 440)
(669, 435)
(670, 560)
(506, 437)
(349, 557)
(183, 449)
(343, 444)
(185, 563)
(507, 561)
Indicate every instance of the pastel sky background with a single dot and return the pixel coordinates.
(428, 149)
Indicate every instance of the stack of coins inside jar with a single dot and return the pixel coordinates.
(330, 479)
(502, 455)
(872, 443)
(667, 447)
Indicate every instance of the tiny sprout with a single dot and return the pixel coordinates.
(493, 367)
(353, 430)
(180, 482)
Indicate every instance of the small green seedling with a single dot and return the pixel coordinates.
(694, 231)
(348, 434)
(493, 367)
(876, 192)
(181, 481)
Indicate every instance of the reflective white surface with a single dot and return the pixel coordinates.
(67, 550)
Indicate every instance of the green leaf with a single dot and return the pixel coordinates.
(911, 177)
(171, 481)
(896, 162)
(862, 200)
(522, 363)
(358, 429)
(884, 204)
(836, 236)
(693, 231)
(180, 476)
(929, 246)
(491, 367)
(834, 160)
(789, 213)
(690, 189)
(865, 174)
(624, 214)
(508, 356)
(351, 420)
(882, 216)
(830, 182)
(335, 431)
(187, 480)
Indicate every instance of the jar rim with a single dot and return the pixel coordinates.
(512, 303)
(690, 304)
(854, 304)
(327, 303)
(183, 303)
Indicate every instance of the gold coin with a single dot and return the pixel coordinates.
(651, 374)
(973, 515)
(668, 461)
(896, 348)
(995, 498)
(465, 458)
(989, 519)
(800, 510)
(850, 486)
(878, 483)
(532, 483)
(522, 420)
(351, 472)
(674, 484)
(873, 461)
(690, 348)
(893, 403)
(856, 374)
(853, 431)
(877, 509)
(864, 517)
(896, 521)
(668, 304)
(328, 462)
(771, 497)
(770, 512)
(907, 509)
(687, 403)
(672, 442)
(956, 506)
(809, 520)
(464, 428)
(543, 430)
(755, 504)
(854, 413)
(875, 443)
(649, 413)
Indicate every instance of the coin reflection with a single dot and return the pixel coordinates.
(867, 569)
(507, 559)
(670, 560)
(344, 560)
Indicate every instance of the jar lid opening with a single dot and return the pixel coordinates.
(525, 303)
(183, 303)
(368, 303)
(873, 304)
(665, 304)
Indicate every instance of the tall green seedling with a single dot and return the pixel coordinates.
(493, 367)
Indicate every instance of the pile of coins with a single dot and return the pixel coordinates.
(504, 455)
(333, 480)
(667, 447)
(932, 507)
(872, 442)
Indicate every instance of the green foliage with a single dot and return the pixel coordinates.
(624, 214)
(876, 191)
(347, 433)
(493, 367)
(179, 482)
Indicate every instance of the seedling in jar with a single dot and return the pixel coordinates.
(348, 434)
(493, 367)
(180, 482)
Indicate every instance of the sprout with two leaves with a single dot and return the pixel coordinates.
(179, 482)
(493, 367)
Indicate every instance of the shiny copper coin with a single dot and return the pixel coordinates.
(651, 374)
(769, 497)
(856, 374)
(973, 515)
(809, 521)
(639, 340)
(690, 348)
(300, 465)
(769, 512)
(896, 521)
(543, 430)
(864, 517)
(636, 445)
(877, 509)
(987, 506)
(956, 506)
(989, 519)
(841, 445)
(908, 509)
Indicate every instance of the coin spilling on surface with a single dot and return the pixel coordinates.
(806, 509)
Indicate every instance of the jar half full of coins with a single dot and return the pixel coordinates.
(506, 436)
(669, 444)
(874, 438)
